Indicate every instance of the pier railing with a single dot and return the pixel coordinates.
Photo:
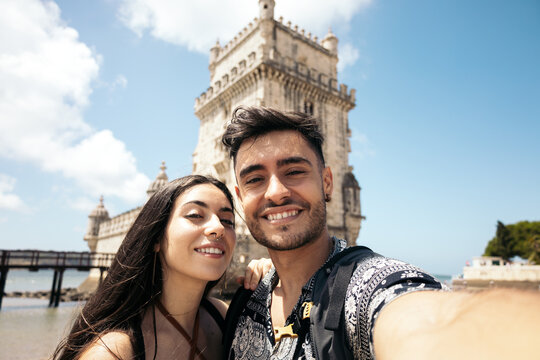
(37, 259)
(59, 261)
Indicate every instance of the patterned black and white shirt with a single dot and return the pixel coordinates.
(375, 282)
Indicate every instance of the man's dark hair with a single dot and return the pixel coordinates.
(252, 122)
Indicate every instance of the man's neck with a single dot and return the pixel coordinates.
(295, 268)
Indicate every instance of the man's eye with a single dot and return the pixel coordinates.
(253, 180)
(295, 172)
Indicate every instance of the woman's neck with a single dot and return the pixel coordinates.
(182, 299)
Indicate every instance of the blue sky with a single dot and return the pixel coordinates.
(95, 94)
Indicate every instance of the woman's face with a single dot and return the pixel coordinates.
(200, 237)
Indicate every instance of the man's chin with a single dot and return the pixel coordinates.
(284, 242)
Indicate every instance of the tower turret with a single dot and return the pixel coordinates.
(161, 180)
(96, 217)
(330, 42)
(214, 52)
(266, 9)
(351, 207)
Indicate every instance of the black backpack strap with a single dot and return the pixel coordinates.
(238, 303)
(327, 316)
(337, 295)
(214, 313)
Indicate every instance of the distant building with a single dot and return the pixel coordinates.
(105, 234)
(494, 271)
(272, 64)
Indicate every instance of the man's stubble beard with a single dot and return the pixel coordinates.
(289, 241)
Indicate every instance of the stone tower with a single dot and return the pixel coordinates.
(273, 64)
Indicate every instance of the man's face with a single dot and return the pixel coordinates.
(282, 188)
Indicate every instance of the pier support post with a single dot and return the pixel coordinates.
(3, 278)
(59, 287)
(101, 270)
(53, 288)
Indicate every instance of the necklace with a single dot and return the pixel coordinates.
(191, 340)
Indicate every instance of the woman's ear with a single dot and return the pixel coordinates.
(157, 247)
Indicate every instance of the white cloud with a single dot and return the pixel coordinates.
(8, 200)
(120, 81)
(361, 145)
(348, 55)
(46, 77)
(197, 24)
(318, 16)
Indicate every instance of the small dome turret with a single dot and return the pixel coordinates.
(214, 52)
(95, 219)
(161, 180)
(351, 194)
(99, 212)
(330, 42)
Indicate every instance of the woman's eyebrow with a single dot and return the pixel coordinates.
(205, 205)
(197, 202)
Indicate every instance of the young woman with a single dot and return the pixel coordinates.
(153, 304)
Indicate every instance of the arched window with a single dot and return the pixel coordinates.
(308, 107)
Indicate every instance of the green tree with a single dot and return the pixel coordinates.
(534, 245)
(519, 239)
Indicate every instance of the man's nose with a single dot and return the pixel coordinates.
(276, 190)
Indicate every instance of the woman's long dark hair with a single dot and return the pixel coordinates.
(119, 302)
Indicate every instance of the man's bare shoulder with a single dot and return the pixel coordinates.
(112, 345)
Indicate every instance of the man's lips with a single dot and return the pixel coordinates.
(282, 215)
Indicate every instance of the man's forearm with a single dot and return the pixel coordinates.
(492, 324)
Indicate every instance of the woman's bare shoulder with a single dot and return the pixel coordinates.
(220, 305)
(112, 345)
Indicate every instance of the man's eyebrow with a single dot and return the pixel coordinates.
(293, 160)
(205, 205)
(249, 169)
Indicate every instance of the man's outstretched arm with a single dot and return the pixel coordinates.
(493, 324)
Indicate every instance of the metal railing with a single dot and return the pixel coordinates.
(38, 259)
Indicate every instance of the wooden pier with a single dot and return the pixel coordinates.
(59, 261)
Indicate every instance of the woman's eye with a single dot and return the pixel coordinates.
(228, 222)
(194, 216)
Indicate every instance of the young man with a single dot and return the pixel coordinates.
(283, 186)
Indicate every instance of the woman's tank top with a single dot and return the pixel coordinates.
(138, 340)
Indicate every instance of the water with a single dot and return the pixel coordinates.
(446, 279)
(24, 280)
(29, 329)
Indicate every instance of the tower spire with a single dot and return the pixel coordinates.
(161, 180)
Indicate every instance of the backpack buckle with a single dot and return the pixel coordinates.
(279, 332)
(306, 309)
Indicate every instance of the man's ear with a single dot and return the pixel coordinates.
(328, 181)
(238, 193)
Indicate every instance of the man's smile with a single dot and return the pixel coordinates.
(282, 215)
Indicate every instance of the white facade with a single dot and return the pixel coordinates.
(496, 269)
